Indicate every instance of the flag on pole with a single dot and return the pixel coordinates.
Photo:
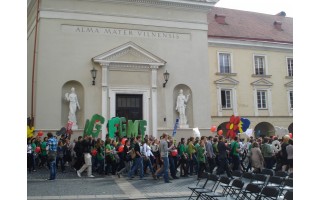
(175, 127)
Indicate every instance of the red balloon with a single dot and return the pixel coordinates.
(290, 135)
(220, 132)
(40, 133)
(123, 141)
(94, 152)
(37, 150)
(174, 152)
(213, 128)
(121, 148)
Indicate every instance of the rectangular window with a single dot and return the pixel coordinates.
(262, 99)
(291, 99)
(290, 66)
(225, 63)
(226, 99)
(259, 65)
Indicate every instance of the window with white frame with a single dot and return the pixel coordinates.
(226, 99)
(291, 99)
(225, 62)
(290, 66)
(262, 99)
(259, 65)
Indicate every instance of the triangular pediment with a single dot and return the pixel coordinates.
(226, 81)
(262, 82)
(129, 53)
(290, 84)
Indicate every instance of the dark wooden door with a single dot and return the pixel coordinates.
(129, 106)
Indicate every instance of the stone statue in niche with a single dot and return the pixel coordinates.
(181, 108)
(73, 105)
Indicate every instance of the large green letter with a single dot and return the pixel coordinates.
(133, 128)
(123, 127)
(113, 125)
(95, 122)
(142, 127)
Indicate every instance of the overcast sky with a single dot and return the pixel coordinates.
(261, 6)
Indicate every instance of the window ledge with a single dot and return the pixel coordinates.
(289, 77)
(226, 108)
(226, 74)
(262, 108)
(264, 76)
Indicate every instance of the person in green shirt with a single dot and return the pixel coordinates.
(100, 155)
(43, 154)
(201, 156)
(35, 155)
(110, 160)
(192, 156)
(235, 149)
(184, 158)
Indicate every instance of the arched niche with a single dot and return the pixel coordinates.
(264, 129)
(189, 107)
(66, 88)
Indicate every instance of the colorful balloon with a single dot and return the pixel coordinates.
(37, 150)
(174, 152)
(121, 148)
(220, 132)
(123, 141)
(94, 152)
(213, 128)
(290, 135)
(40, 133)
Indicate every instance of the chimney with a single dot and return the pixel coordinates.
(282, 13)
(277, 25)
(220, 19)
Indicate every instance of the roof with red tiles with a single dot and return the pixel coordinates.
(247, 25)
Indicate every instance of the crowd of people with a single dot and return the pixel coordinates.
(129, 157)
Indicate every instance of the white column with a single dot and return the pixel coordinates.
(256, 113)
(270, 102)
(219, 101)
(154, 70)
(234, 101)
(104, 97)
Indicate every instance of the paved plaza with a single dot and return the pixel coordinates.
(69, 186)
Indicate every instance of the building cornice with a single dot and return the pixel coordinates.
(204, 5)
(250, 43)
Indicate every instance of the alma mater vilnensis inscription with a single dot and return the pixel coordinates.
(126, 32)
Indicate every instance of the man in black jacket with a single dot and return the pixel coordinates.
(86, 147)
(79, 153)
(223, 161)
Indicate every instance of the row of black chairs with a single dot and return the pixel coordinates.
(259, 186)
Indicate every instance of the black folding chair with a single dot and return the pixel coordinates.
(237, 174)
(288, 195)
(236, 187)
(275, 181)
(200, 184)
(259, 179)
(224, 183)
(287, 186)
(281, 174)
(268, 172)
(251, 191)
(269, 193)
(247, 176)
(212, 179)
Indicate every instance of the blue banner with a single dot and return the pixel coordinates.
(175, 127)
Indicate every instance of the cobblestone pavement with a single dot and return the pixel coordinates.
(69, 186)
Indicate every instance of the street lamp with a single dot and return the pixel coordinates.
(166, 78)
(94, 75)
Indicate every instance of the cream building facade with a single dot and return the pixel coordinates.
(131, 44)
(251, 70)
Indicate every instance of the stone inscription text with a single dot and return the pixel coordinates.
(126, 32)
